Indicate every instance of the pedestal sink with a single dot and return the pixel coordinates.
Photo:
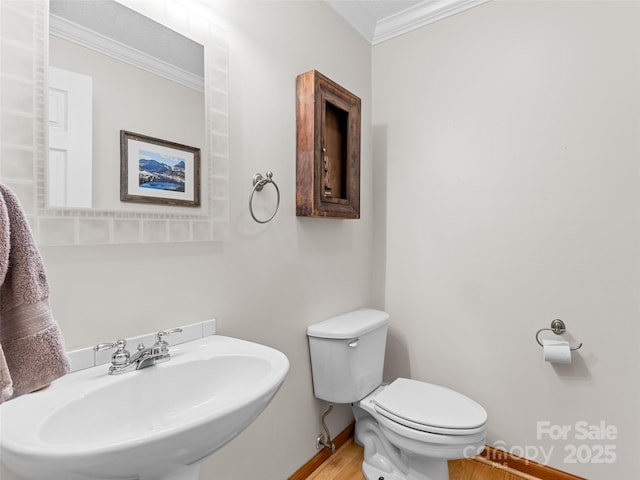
(152, 424)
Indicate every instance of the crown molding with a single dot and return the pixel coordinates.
(376, 30)
(73, 32)
(422, 14)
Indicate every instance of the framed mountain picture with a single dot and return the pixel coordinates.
(158, 171)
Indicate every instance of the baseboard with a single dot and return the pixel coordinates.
(501, 459)
(319, 458)
(498, 459)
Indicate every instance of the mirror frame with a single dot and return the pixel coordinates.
(24, 135)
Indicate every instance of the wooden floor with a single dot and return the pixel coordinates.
(346, 464)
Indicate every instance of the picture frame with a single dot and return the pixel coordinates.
(158, 171)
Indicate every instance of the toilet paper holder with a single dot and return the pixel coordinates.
(558, 327)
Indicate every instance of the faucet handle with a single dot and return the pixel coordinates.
(163, 333)
(120, 356)
(118, 344)
(161, 346)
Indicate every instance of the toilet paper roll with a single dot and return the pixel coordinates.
(556, 351)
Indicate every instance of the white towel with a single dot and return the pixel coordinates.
(32, 352)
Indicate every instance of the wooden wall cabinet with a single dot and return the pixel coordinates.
(328, 148)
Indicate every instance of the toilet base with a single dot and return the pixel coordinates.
(384, 461)
(372, 473)
(435, 472)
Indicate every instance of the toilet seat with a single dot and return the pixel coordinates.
(430, 408)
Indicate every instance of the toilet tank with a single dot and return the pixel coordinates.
(347, 355)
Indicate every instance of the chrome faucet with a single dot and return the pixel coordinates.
(122, 361)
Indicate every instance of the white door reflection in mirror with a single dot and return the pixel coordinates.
(70, 139)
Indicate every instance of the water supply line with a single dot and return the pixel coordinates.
(324, 439)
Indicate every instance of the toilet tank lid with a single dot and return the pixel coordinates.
(349, 325)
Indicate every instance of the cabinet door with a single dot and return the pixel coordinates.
(328, 148)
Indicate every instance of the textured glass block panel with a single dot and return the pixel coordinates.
(220, 167)
(16, 95)
(17, 164)
(126, 231)
(154, 231)
(18, 25)
(94, 230)
(218, 79)
(218, 56)
(221, 187)
(219, 144)
(57, 231)
(17, 62)
(179, 231)
(218, 39)
(220, 122)
(201, 231)
(26, 194)
(219, 99)
(19, 6)
(17, 129)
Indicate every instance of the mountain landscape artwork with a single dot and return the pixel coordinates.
(158, 171)
(161, 172)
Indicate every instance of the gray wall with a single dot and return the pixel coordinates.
(511, 139)
(268, 282)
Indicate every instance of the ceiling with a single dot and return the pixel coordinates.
(380, 20)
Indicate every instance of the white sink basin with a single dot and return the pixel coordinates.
(152, 424)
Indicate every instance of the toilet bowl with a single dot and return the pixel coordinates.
(409, 429)
(417, 427)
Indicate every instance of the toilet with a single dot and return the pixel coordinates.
(409, 429)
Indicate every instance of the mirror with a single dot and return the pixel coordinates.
(111, 68)
(109, 220)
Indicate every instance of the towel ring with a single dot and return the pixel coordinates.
(558, 327)
(258, 184)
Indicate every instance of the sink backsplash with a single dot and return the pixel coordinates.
(88, 357)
